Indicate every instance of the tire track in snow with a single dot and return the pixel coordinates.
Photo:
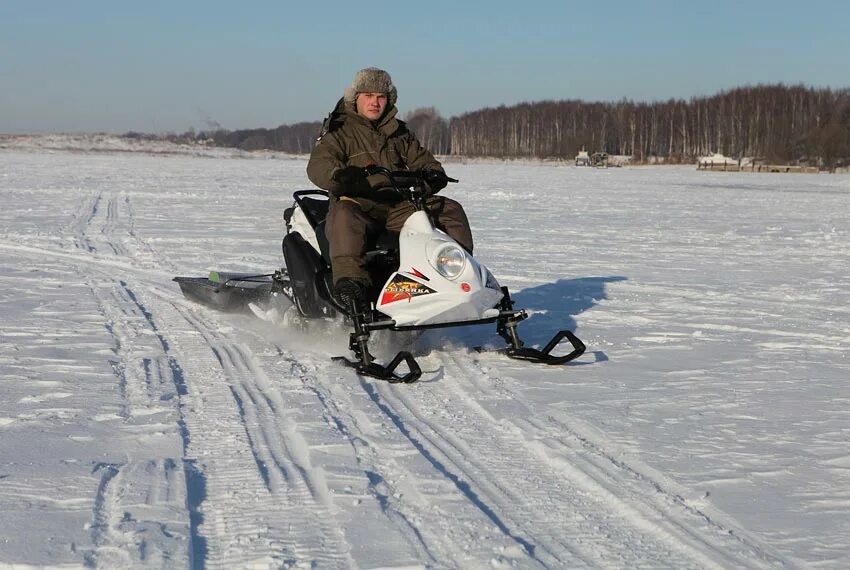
(558, 513)
(152, 387)
(453, 455)
(130, 490)
(105, 519)
(417, 499)
(142, 364)
(652, 514)
(110, 226)
(140, 249)
(139, 511)
(105, 225)
(529, 509)
(438, 539)
(82, 219)
(265, 502)
(281, 527)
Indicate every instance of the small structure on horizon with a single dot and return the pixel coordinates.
(582, 158)
(716, 161)
(599, 159)
(725, 164)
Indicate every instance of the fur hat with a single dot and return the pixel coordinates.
(371, 80)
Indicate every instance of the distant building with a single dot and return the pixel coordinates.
(582, 158)
(599, 159)
(716, 159)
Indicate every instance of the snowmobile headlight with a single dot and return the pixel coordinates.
(449, 261)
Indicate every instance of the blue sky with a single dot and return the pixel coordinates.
(159, 66)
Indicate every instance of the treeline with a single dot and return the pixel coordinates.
(774, 122)
(431, 129)
(298, 138)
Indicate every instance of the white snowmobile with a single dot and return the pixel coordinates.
(429, 281)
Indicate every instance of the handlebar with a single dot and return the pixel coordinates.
(409, 184)
(417, 176)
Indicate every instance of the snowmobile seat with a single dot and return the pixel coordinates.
(316, 211)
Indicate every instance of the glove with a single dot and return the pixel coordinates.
(350, 175)
(436, 180)
(351, 180)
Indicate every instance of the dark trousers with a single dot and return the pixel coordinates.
(350, 222)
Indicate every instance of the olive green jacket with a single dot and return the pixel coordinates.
(349, 139)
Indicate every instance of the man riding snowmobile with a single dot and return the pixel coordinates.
(361, 132)
(421, 273)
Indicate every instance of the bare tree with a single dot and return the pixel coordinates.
(430, 128)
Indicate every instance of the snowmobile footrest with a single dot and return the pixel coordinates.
(544, 356)
(387, 372)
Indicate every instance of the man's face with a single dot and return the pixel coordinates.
(371, 105)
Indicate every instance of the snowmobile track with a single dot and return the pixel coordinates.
(400, 492)
(561, 511)
(264, 502)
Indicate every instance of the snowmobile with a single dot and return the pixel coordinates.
(428, 281)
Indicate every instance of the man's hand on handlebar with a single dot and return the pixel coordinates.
(435, 180)
(355, 179)
(350, 175)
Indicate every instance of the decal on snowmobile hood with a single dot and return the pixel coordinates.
(418, 274)
(401, 288)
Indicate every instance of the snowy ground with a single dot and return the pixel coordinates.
(707, 425)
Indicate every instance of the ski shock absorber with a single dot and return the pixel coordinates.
(358, 341)
(507, 325)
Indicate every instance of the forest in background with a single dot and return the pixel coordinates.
(777, 123)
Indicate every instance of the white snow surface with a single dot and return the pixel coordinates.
(707, 425)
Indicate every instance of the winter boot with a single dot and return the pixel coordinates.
(352, 294)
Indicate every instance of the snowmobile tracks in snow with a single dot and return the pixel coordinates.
(124, 534)
(538, 492)
(285, 458)
(139, 516)
(561, 498)
(104, 225)
(250, 496)
(265, 503)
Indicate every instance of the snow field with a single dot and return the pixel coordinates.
(705, 427)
